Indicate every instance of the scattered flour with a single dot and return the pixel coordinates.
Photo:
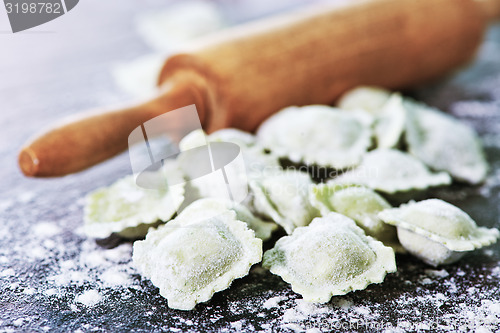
(495, 272)
(6, 204)
(426, 281)
(303, 316)
(7, 272)
(50, 292)
(26, 197)
(114, 277)
(436, 273)
(109, 268)
(273, 302)
(29, 291)
(89, 298)
(46, 229)
(18, 322)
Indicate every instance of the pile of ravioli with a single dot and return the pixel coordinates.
(342, 232)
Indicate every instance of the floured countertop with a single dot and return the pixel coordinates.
(53, 278)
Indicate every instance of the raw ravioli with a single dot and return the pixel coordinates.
(198, 138)
(242, 138)
(332, 256)
(283, 197)
(193, 139)
(255, 162)
(318, 135)
(445, 144)
(189, 263)
(258, 162)
(209, 207)
(390, 122)
(213, 171)
(358, 203)
(436, 231)
(391, 171)
(370, 99)
(130, 210)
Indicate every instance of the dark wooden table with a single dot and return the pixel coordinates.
(47, 266)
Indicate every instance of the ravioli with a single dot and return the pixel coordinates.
(209, 207)
(198, 138)
(371, 99)
(444, 143)
(129, 210)
(257, 160)
(189, 263)
(317, 135)
(193, 139)
(332, 256)
(283, 197)
(358, 203)
(392, 171)
(390, 122)
(241, 138)
(254, 164)
(436, 231)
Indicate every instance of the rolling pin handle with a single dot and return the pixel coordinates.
(91, 137)
(490, 9)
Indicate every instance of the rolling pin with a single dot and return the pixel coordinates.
(239, 77)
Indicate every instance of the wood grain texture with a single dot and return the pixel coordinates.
(92, 137)
(314, 56)
(241, 76)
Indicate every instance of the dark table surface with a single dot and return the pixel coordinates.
(54, 278)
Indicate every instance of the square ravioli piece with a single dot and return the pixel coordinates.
(252, 162)
(257, 160)
(129, 210)
(387, 109)
(392, 171)
(283, 197)
(368, 98)
(389, 124)
(358, 203)
(318, 135)
(189, 262)
(437, 232)
(332, 256)
(445, 144)
(202, 209)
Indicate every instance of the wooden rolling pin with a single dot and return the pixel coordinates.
(241, 76)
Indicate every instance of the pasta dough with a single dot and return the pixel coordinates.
(332, 256)
(317, 135)
(256, 162)
(370, 99)
(130, 210)
(241, 138)
(436, 231)
(189, 263)
(445, 144)
(391, 171)
(209, 207)
(387, 108)
(390, 123)
(358, 203)
(283, 197)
